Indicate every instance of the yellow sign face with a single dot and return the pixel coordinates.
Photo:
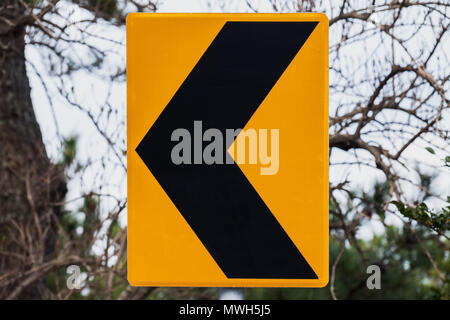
(227, 150)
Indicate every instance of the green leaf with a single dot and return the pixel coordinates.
(400, 206)
(69, 151)
(430, 150)
(447, 160)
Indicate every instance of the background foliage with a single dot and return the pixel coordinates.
(63, 191)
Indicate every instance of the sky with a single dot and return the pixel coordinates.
(91, 90)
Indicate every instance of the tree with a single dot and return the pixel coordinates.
(33, 187)
(389, 75)
(30, 183)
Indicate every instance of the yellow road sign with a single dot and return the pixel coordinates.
(227, 150)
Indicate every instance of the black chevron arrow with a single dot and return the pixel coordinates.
(224, 89)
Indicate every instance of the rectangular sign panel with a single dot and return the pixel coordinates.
(227, 150)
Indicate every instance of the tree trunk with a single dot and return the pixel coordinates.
(30, 185)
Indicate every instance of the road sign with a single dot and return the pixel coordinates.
(227, 150)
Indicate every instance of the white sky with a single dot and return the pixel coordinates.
(71, 121)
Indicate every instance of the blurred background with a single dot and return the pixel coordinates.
(63, 167)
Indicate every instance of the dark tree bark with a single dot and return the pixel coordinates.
(30, 185)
